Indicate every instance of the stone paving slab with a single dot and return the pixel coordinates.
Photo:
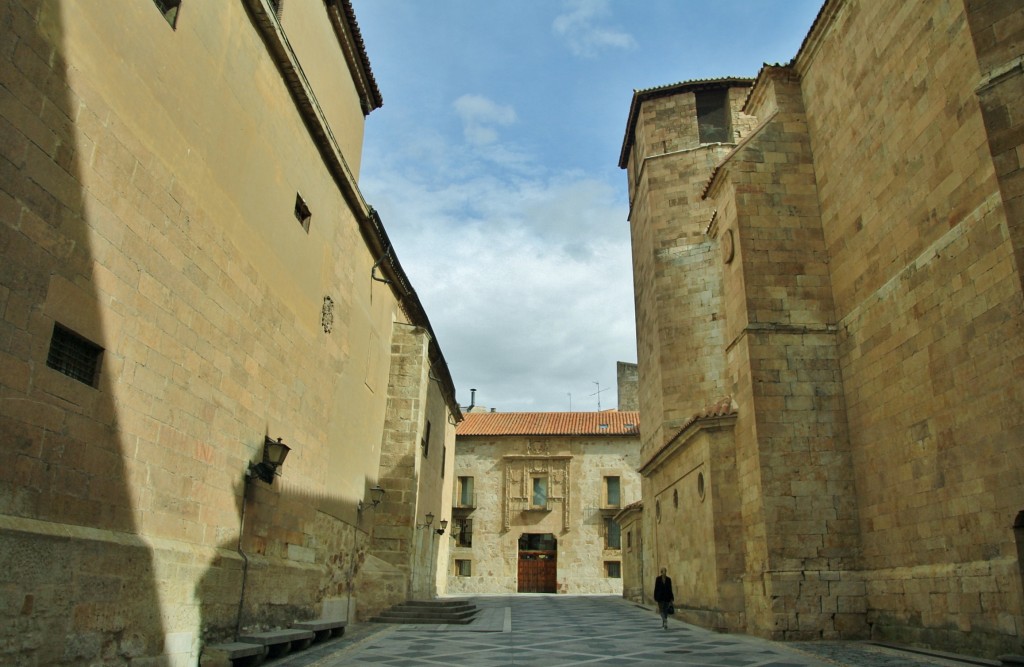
(563, 631)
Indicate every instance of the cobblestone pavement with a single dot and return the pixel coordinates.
(559, 631)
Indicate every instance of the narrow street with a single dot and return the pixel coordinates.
(559, 631)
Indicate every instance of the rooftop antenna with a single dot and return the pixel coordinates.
(598, 394)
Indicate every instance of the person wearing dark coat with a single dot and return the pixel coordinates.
(663, 595)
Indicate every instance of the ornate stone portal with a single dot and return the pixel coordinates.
(519, 492)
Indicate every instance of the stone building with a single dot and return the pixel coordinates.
(189, 273)
(827, 267)
(535, 498)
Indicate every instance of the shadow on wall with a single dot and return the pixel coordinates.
(79, 584)
(262, 582)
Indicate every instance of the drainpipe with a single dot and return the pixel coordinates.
(245, 559)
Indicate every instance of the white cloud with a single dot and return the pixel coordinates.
(585, 38)
(527, 282)
(480, 116)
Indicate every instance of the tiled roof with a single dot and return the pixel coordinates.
(375, 101)
(723, 407)
(609, 422)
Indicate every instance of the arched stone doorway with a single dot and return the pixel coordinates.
(538, 563)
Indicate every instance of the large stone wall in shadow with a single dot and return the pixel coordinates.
(78, 583)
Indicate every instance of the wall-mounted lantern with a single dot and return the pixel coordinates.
(274, 454)
(376, 496)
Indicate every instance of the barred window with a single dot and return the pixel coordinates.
(464, 532)
(74, 356)
(612, 535)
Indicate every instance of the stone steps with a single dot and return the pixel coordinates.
(435, 612)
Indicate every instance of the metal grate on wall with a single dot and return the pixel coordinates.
(74, 356)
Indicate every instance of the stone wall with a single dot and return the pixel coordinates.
(627, 383)
(928, 306)
(793, 453)
(139, 212)
(863, 308)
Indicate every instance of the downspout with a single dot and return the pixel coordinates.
(245, 559)
(351, 579)
(373, 271)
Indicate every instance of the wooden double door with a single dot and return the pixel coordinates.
(538, 572)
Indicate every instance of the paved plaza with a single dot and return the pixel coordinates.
(559, 631)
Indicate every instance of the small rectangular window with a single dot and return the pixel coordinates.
(425, 443)
(713, 116)
(540, 492)
(464, 532)
(466, 497)
(463, 568)
(612, 535)
(302, 213)
(74, 356)
(169, 8)
(612, 491)
(613, 569)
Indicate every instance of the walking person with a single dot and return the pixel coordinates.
(664, 596)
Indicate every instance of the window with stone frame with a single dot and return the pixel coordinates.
(613, 569)
(539, 497)
(612, 491)
(463, 567)
(464, 494)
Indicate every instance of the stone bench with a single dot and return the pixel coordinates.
(280, 642)
(233, 653)
(323, 627)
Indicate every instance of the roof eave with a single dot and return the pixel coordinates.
(346, 28)
(646, 94)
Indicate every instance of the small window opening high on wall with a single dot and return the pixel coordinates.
(713, 116)
(302, 213)
(74, 356)
(169, 8)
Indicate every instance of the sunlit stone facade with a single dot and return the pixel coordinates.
(827, 267)
(190, 269)
(535, 499)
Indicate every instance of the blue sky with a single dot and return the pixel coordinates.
(493, 164)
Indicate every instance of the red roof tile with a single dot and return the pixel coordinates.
(609, 422)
